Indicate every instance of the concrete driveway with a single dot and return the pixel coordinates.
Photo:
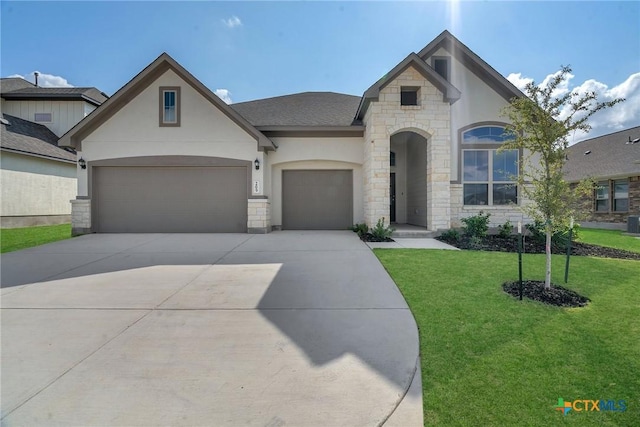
(284, 329)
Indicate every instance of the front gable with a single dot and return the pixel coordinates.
(133, 112)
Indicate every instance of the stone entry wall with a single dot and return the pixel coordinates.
(430, 119)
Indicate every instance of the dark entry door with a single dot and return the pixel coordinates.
(392, 197)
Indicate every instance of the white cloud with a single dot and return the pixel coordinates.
(45, 80)
(224, 94)
(518, 81)
(232, 22)
(620, 116)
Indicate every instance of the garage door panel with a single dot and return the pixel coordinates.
(317, 199)
(170, 199)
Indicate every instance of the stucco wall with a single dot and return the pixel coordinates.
(315, 153)
(65, 114)
(135, 131)
(33, 186)
(478, 103)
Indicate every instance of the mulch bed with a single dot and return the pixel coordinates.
(534, 289)
(368, 237)
(510, 244)
(556, 295)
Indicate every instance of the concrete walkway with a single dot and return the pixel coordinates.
(412, 243)
(289, 328)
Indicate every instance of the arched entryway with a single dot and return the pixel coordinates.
(408, 178)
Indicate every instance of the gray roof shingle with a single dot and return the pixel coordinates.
(9, 84)
(31, 138)
(609, 156)
(90, 94)
(301, 109)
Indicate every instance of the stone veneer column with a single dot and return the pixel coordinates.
(258, 216)
(430, 119)
(80, 216)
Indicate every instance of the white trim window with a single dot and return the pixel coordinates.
(488, 175)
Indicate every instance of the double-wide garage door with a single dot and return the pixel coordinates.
(317, 199)
(170, 199)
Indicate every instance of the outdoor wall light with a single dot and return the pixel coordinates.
(257, 163)
(82, 163)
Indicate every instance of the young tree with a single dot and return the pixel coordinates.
(540, 125)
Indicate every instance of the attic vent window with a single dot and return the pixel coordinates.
(441, 65)
(42, 117)
(409, 95)
(169, 106)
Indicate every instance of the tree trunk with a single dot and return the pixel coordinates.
(547, 279)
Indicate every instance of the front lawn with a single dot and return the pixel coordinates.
(490, 360)
(610, 238)
(13, 239)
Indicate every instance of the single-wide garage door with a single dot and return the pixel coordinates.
(170, 199)
(317, 199)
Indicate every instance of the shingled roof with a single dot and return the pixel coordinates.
(23, 136)
(301, 109)
(9, 84)
(13, 89)
(608, 156)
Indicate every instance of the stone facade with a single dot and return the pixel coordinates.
(430, 119)
(499, 214)
(258, 216)
(80, 216)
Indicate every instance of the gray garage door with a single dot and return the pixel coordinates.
(317, 199)
(170, 199)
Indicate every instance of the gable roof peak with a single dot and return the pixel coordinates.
(140, 82)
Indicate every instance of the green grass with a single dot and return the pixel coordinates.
(491, 360)
(13, 239)
(610, 238)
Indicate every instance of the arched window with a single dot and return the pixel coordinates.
(488, 176)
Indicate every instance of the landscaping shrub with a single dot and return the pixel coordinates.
(360, 229)
(559, 239)
(380, 231)
(505, 230)
(451, 235)
(476, 226)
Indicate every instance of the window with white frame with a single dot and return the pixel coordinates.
(169, 106)
(488, 175)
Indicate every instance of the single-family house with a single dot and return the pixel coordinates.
(613, 162)
(37, 177)
(165, 154)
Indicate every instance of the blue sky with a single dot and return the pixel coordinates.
(255, 50)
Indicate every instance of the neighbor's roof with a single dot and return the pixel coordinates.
(9, 84)
(89, 94)
(607, 156)
(301, 109)
(25, 137)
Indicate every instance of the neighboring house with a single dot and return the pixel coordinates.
(613, 162)
(38, 178)
(419, 147)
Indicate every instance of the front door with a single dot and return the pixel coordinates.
(392, 197)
